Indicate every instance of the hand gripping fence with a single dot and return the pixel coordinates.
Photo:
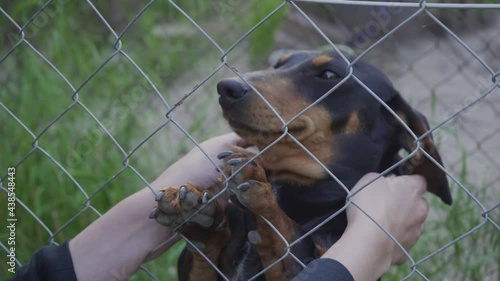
(463, 98)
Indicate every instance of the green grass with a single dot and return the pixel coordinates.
(71, 36)
(75, 41)
(473, 257)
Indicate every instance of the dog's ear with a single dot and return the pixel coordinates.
(420, 164)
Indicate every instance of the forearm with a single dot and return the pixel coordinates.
(119, 241)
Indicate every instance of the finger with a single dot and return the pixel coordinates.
(421, 229)
(242, 143)
(414, 186)
(422, 210)
(365, 180)
(234, 139)
(425, 206)
(399, 257)
(419, 183)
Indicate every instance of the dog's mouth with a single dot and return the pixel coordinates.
(282, 147)
(264, 132)
(279, 126)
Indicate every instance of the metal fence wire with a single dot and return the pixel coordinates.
(456, 74)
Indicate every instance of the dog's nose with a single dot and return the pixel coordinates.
(232, 89)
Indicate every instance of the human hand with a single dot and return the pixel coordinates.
(195, 167)
(395, 203)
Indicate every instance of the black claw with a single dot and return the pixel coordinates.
(234, 161)
(243, 187)
(205, 198)
(159, 196)
(182, 192)
(154, 213)
(224, 154)
(217, 169)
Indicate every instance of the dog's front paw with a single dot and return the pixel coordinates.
(186, 206)
(247, 183)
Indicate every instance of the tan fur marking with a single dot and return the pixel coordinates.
(402, 115)
(409, 138)
(282, 59)
(320, 249)
(427, 143)
(321, 60)
(353, 123)
(286, 159)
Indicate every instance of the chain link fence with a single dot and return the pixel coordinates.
(451, 73)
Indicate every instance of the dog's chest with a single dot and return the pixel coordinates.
(309, 206)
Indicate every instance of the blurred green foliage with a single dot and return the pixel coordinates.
(74, 39)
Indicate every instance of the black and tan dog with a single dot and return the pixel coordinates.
(348, 131)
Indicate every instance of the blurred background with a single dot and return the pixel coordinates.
(89, 119)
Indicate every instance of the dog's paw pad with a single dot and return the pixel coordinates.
(187, 204)
(251, 195)
(254, 237)
(239, 194)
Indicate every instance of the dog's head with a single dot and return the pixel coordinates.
(348, 130)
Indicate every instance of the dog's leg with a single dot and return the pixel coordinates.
(206, 229)
(250, 190)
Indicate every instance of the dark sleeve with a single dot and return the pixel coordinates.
(323, 270)
(51, 263)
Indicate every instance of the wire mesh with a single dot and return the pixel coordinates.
(454, 73)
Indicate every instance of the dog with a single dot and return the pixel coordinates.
(319, 129)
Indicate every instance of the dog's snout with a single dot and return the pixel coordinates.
(232, 89)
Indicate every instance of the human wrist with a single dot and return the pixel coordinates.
(124, 235)
(364, 249)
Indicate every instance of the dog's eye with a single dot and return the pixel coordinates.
(327, 74)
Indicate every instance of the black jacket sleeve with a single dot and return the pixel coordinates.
(51, 263)
(323, 270)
